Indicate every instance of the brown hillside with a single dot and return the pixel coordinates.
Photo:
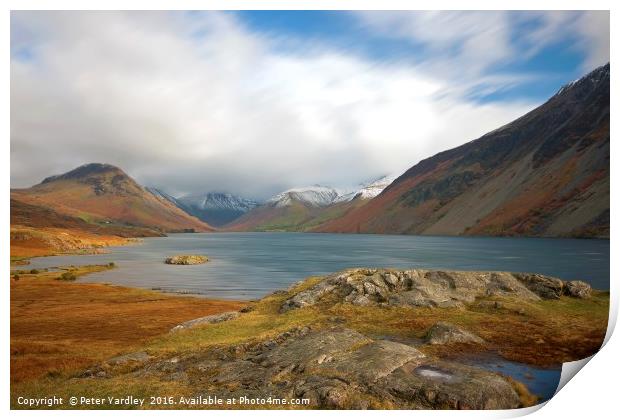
(104, 194)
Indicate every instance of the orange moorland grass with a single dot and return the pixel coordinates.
(60, 327)
(37, 242)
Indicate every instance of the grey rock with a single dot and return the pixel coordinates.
(307, 297)
(373, 360)
(211, 319)
(446, 333)
(578, 289)
(443, 385)
(544, 286)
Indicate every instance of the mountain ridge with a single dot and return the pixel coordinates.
(105, 194)
(544, 174)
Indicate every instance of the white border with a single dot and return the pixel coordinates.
(591, 395)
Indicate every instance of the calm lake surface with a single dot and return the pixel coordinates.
(250, 265)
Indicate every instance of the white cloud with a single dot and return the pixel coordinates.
(466, 44)
(196, 102)
(593, 26)
(477, 39)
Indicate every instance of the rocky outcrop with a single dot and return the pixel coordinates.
(211, 319)
(186, 259)
(431, 288)
(339, 368)
(446, 333)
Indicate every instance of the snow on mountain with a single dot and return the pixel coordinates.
(593, 78)
(218, 201)
(368, 190)
(320, 196)
(315, 196)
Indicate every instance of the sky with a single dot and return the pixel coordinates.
(256, 102)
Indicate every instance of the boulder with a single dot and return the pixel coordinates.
(578, 289)
(446, 333)
(211, 319)
(186, 259)
(544, 286)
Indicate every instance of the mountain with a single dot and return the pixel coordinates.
(544, 174)
(368, 190)
(315, 196)
(103, 194)
(286, 211)
(216, 208)
(303, 208)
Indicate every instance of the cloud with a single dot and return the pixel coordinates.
(195, 102)
(593, 26)
(467, 45)
(479, 39)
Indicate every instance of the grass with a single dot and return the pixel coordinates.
(58, 327)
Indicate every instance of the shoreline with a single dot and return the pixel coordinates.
(503, 328)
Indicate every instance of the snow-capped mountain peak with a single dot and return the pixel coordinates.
(375, 187)
(368, 190)
(315, 196)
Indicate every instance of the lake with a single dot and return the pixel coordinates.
(251, 265)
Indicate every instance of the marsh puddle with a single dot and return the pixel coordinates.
(540, 381)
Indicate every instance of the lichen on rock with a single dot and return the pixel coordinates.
(211, 319)
(446, 333)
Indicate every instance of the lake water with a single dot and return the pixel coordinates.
(250, 265)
